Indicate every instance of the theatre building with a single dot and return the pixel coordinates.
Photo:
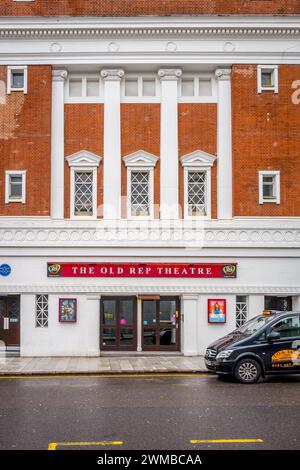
(149, 173)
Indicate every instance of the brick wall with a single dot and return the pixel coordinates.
(25, 140)
(84, 131)
(197, 130)
(147, 7)
(140, 130)
(265, 137)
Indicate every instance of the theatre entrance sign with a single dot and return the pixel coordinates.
(166, 270)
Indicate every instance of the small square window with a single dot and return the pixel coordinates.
(131, 87)
(205, 88)
(149, 87)
(269, 187)
(75, 87)
(92, 88)
(15, 186)
(17, 79)
(267, 78)
(187, 87)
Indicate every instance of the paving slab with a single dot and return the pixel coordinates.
(101, 365)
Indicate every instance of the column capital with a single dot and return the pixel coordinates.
(169, 74)
(223, 74)
(112, 75)
(59, 75)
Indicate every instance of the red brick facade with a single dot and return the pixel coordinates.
(140, 130)
(25, 140)
(148, 7)
(197, 130)
(265, 137)
(84, 131)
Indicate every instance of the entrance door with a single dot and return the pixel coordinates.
(161, 324)
(118, 324)
(10, 322)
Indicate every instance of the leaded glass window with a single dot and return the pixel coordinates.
(41, 319)
(83, 198)
(241, 310)
(197, 193)
(140, 193)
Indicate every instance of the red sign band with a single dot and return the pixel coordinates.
(167, 270)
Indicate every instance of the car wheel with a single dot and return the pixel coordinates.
(247, 371)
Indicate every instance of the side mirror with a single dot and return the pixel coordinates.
(273, 336)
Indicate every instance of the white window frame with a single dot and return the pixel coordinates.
(276, 199)
(17, 68)
(274, 70)
(84, 98)
(140, 161)
(140, 98)
(202, 162)
(196, 98)
(83, 161)
(8, 174)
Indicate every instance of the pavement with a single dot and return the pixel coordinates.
(153, 412)
(101, 365)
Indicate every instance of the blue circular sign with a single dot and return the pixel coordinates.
(5, 270)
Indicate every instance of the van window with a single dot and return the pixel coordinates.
(254, 325)
(288, 327)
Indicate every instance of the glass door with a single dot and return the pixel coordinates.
(118, 324)
(161, 324)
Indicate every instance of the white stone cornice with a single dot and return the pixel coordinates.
(59, 75)
(223, 74)
(169, 74)
(237, 233)
(112, 75)
(204, 26)
(134, 288)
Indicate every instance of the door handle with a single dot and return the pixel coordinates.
(6, 323)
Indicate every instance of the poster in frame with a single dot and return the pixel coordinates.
(67, 310)
(216, 311)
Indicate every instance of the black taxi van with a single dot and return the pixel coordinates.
(266, 344)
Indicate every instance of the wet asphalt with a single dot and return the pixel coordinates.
(149, 413)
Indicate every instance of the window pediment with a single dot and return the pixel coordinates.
(199, 159)
(83, 158)
(140, 159)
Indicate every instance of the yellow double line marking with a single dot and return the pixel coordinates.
(54, 445)
(223, 441)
